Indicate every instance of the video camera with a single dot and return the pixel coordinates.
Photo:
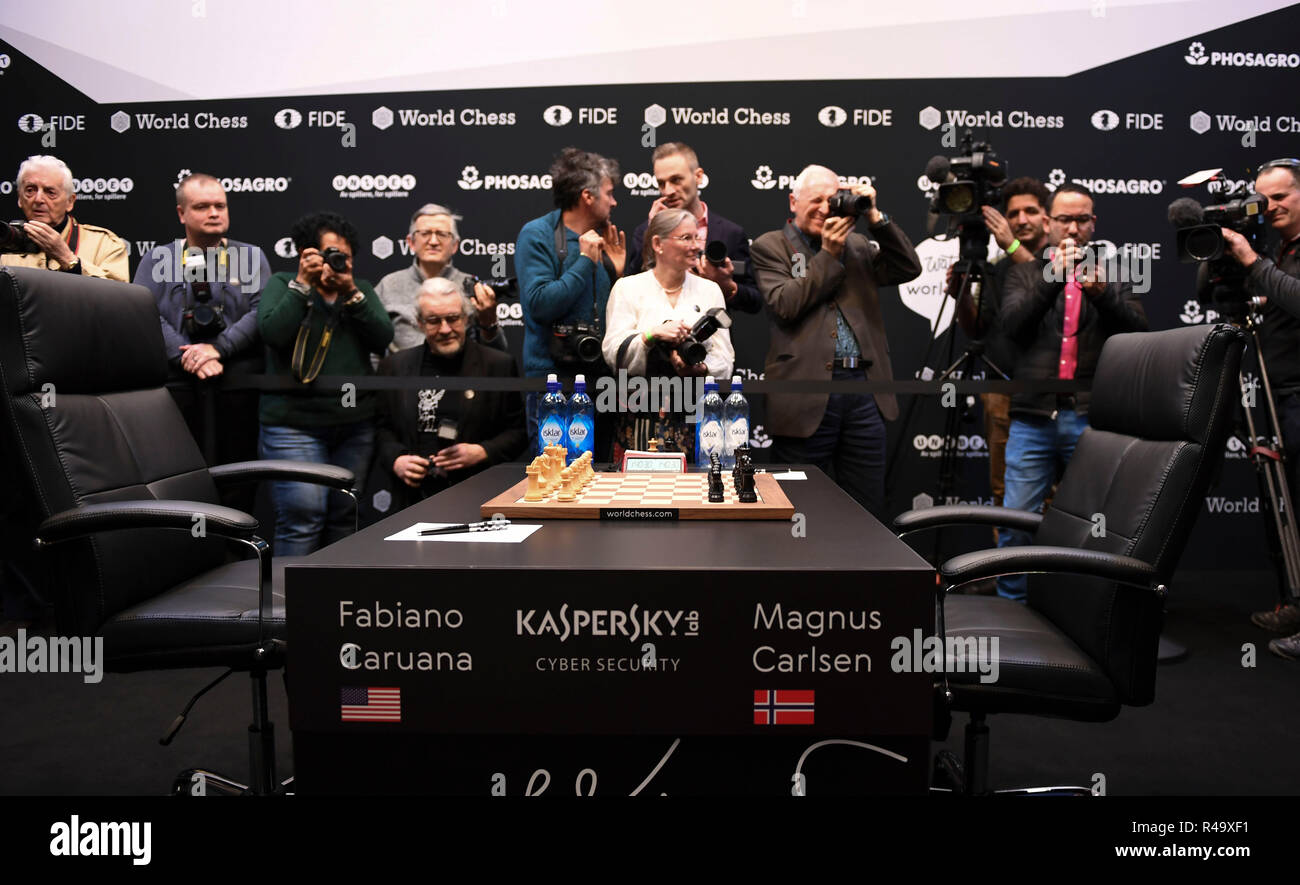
(969, 181)
(1199, 240)
(14, 238)
(691, 348)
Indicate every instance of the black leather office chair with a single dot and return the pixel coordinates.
(1086, 642)
(106, 464)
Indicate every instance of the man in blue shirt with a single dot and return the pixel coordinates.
(566, 262)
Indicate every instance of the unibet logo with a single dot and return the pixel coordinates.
(31, 123)
(1200, 122)
(388, 185)
(1105, 120)
(931, 445)
(557, 115)
(288, 118)
(1196, 54)
(285, 248)
(832, 116)
(102, 185)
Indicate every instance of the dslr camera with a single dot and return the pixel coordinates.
(203, 321)
(13, 238)
(499, 287)
(336, 258)
(691, 348)
(848, 204)
(576, 345)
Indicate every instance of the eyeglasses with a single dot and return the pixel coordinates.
(684, 238)
(1081, 220)
(445, 235)
(451, 319)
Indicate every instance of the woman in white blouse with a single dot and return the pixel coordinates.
(648, 314)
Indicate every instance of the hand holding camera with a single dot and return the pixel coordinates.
(310, 265)
(336, 272)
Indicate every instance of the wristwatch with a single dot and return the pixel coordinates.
(357, 297)
(74, 266)
(301, 288)
(884, 220)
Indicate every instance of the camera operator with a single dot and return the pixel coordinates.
(678, 173)
(1021, 233)
(319, 321)
(1277, 279)
(820, 281)
(207, 288)
(434, 239)
(1058, 310)
(567, 261)
(51, 238)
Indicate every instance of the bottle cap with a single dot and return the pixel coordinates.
(552, 378)
(708, 379)
(735, 381)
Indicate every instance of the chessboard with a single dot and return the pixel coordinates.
(649, 496)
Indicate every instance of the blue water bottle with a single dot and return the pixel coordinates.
(552, 416)
(735, 418)
(708, 432)
(582, 421)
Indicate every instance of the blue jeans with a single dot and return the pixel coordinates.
(308, 517)
(1037, 451)
(849, 444)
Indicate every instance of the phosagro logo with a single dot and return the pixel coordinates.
(1196, 56)
(557, 115)
(471, 181)
(245, 184)
(354, 186)
(1194, 314)
(763, 179)
(102, 188)
(288, 118)
(1109, 185)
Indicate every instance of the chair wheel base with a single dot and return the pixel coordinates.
(199, 782)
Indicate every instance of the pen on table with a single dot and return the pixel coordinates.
(488, 526)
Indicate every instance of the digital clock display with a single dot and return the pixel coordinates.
(654, 462)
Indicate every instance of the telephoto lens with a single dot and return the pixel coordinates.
(716, 253)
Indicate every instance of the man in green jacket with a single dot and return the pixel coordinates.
(319, 322)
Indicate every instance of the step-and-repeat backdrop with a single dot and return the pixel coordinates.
(1129, 130)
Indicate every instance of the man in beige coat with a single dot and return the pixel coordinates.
(54, 239)
(819, 279)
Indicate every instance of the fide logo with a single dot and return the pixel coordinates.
(1196, 54)
(832, 116)
(469, 179)
(763, 179)
(1105, 120)
(557, 115)
(31, 123)
(288, 118)
(285, 248)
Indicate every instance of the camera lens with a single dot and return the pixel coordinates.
(692, 351)
(1204, 243)
(588, 348)
(716, 253)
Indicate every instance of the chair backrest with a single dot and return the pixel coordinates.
(1162, 407)
(86, 419)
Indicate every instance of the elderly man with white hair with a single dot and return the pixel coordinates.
(54, 239)
(434, 239)
(820, 280)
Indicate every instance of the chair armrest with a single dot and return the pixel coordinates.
(297, 471)
(966, 514)
(81, 521)
(1022, 560)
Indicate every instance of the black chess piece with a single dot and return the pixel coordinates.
(716, 493)
(747, 494)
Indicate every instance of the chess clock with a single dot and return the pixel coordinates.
(653, 462)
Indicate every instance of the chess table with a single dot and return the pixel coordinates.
(613, 658)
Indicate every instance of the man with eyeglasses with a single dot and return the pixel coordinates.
(1058, 310)
(431, 438)
(1276, 278)
(434, 239)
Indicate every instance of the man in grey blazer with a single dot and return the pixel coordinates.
(820, 280)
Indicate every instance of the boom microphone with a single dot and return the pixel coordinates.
(937, 169)
(1186, 212)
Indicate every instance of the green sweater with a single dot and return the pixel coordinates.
(361, 331)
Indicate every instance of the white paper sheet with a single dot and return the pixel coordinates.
(790, 474)
(515, 533)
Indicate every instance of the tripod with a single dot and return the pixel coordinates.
(1269, 458)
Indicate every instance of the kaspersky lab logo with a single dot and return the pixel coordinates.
(1196, 54)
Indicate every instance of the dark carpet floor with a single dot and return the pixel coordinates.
(1216, 727)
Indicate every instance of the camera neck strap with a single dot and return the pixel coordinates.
(300, 344)
(562, 250)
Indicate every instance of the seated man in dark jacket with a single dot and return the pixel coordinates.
(1059, 310)
(429, 439)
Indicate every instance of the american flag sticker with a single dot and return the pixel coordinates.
(783, 707)
(372, 704)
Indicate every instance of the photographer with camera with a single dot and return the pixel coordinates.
(567, 261)
(1058, 310)
(820, 280)
(434, 239)
(1020, 230)
(1275, 279)
(51, 238)
(430, 439)
(724, 248)
(320, 321)
(648, 330)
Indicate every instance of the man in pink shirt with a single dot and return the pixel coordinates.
(1059, 309)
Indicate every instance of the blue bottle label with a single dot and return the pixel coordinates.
(552, 432)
